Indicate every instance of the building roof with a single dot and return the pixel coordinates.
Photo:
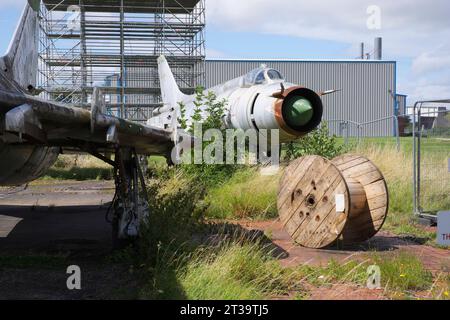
(299, 60)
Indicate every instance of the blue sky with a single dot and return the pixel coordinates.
(416, 34)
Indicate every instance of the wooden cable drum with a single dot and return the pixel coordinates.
(321, 201)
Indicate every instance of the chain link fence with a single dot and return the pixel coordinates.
(358, 132)
(431, 156)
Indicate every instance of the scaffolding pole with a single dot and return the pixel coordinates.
(116, 47)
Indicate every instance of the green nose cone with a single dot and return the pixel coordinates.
(299, 111)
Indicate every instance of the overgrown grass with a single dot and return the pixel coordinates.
(397, 169)
(334, 272)
(79, 168)
(403, 272)
(248, 194)
(181, 257)
(243, 272)
(247, 271)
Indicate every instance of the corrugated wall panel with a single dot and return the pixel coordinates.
(367, 87)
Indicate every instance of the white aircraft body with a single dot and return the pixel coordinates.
(261, 99)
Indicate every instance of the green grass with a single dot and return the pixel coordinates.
(233, 271)
(78, 174)
(334, 272)
(400, 273)
(78, 168)
(248, 194)
(429, 144)
(403, 272)
(246, 271)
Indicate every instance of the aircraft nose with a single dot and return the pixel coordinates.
(299, 111)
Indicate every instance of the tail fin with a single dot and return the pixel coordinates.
(20, 63)
(170, 91)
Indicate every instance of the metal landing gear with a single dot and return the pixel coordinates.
(130, 203)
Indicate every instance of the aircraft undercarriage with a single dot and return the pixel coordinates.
(130, 206)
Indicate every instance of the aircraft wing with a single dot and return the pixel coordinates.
(37, 121)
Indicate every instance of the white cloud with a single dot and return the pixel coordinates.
(408, 26)
(429, 62)
(416, 30)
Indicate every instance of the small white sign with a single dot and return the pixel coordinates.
(443, 229)
(340, 203)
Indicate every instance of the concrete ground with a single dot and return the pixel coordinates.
(46, 228)
(66, 220)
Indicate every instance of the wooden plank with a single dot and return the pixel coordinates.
(369, 177)
(375, 215)
(330, 220)
(358, 170)
(321, 186)
(288, 171)
(304, 212)
(302, 184)
(344, 159)
(302, 167)
(305, 234)
(353, 163)
(376, 189)
(363, 231)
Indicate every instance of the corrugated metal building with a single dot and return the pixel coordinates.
(368, 88)
(401, 100)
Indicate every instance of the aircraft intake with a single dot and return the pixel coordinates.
(298, 110)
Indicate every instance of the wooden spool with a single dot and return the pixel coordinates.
(321, 201)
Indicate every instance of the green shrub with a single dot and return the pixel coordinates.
(209, 174)
(319, 142)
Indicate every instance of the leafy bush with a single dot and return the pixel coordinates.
(319, 142)
(208, 113)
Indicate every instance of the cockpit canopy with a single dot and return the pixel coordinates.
(262, 75)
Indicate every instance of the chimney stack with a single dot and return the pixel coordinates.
(378, 51)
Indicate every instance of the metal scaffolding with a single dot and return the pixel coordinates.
(114, 44)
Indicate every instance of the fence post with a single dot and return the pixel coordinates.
(397, 132)
(359, 128)
(346, 132)
(414, 160)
